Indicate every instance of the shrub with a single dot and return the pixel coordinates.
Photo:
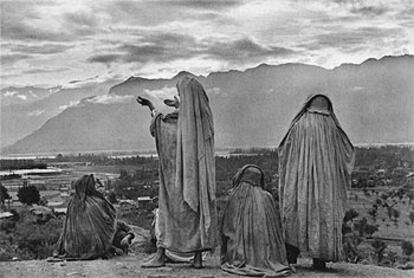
(112, 198)
(411, 216)
(4, 194)
(370, 229)
(28, 195)
(350, 215)
(29, 239)
(351, 241)
(407, 247)
(379, 247)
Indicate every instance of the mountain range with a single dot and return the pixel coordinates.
(374, 102)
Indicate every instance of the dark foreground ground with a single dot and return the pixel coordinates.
(130, 266)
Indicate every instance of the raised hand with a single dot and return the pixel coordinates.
(145, 102)
(172, 102)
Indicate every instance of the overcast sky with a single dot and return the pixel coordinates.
(51, 43)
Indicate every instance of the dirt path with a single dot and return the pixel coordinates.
(129, 266)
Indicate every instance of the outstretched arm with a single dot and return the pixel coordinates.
(147, 102)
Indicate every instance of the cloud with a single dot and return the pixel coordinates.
(358, 88)
(214, 91)
(24, 32)
(354, 40)
(164, 93)
(35, 113)
(167, 47)
(81, 19)
(369, 10)
(84, 80)
(9, 75)
(104, 58)
(44, 70)
(204, 4)
(43, 21)
(201, 36)
(10, 93)
(71, 104)
(109, 99)
(33, 94)
(149, 47)
(366, 8)
(160, 12)
(22, 97)
(244, 48)
(10, 59)
(54, 90)
(47, 48)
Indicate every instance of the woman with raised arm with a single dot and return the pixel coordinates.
(315, 163)
(185, 146)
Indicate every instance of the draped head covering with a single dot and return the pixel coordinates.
(307, 106)
(315, 164)
(85, 186)
(251, 234)
(89, 225)
(251, 174)
(195, 148)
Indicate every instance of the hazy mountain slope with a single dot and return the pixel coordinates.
(374, 102)
(68, 131)
(20, 119)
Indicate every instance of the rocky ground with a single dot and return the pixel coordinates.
(130, 266)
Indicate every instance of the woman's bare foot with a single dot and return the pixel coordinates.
(157, 260)
(198, 261)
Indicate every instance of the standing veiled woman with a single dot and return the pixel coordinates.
(315, 163)
(185, 146)
(90, 223)
(252, 237)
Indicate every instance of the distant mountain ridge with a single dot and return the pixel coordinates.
(374, 102)
(20, 116)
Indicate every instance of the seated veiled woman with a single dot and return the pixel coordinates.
(90, 223)
(252, 238)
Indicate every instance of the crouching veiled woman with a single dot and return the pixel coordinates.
(90, 223)
(251, 233)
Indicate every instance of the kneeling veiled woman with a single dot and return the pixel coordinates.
(90, 223)
(251, 233)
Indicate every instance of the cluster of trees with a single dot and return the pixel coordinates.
(388, 201)
(15, 164)
(23, 237)
(35, 240)
(103, 159)
(388, 156)
(141, 183)
(27, 194)
(4, 194)
(359, 244)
